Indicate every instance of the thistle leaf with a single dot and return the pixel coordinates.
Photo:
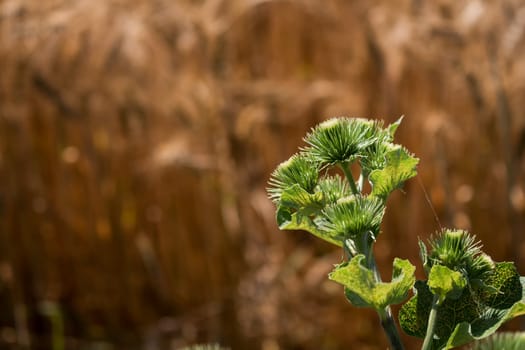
(469, 317)
(492, 318)
(413, 315)
(363, 290)
(392, 128)
(446, 283)
(299, 199)
(504, 286)
(499, 341)
(295, 221)
(488, 324)
(400, 166)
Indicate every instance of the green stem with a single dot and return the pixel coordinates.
(389, 326)
(387, 320)
(427, 343)
(349, 177)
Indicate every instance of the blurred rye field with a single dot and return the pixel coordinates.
(137, 138)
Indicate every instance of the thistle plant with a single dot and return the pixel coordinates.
(322, 189)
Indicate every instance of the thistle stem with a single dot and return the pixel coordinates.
(389, 326)
(387, 320)
(427, 343)
(349, 177)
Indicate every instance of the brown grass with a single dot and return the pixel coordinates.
(136, 139)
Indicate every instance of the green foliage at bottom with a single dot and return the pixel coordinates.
(413, 316)
(501, 341)
(363, 289)
(476, 314)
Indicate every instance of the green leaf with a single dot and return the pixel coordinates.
(446, 283)
(462, 320)
(400, 166)
(501, 341)
(487, 324)
(464, 333)
(392, 128)
(413, 315)
(296, 197)
(295, 221)
(502, 288)
(363, 290)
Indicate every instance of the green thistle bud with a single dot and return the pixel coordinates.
(299, 169)
(459, 251)
(353, 216)
(333, 188)
(481, 267)
(340, 140)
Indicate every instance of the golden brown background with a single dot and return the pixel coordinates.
(137, 137)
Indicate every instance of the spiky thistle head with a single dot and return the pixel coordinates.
(340, 140)
(458, 250)
(353, 216)
(299, 169)
(333, 188)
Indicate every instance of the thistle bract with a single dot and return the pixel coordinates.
(340, 140)
(353, 215)
(459, 251)
(298, 170)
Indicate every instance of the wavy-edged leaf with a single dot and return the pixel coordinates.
(288, 220)
(362, 289)
(446, 283)
(488, 323)
(413, 315)
(501, 341)
(400, 166)
(462, 320)
(503, 287)
(297, 198)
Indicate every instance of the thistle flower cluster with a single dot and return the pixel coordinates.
(311, 196)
